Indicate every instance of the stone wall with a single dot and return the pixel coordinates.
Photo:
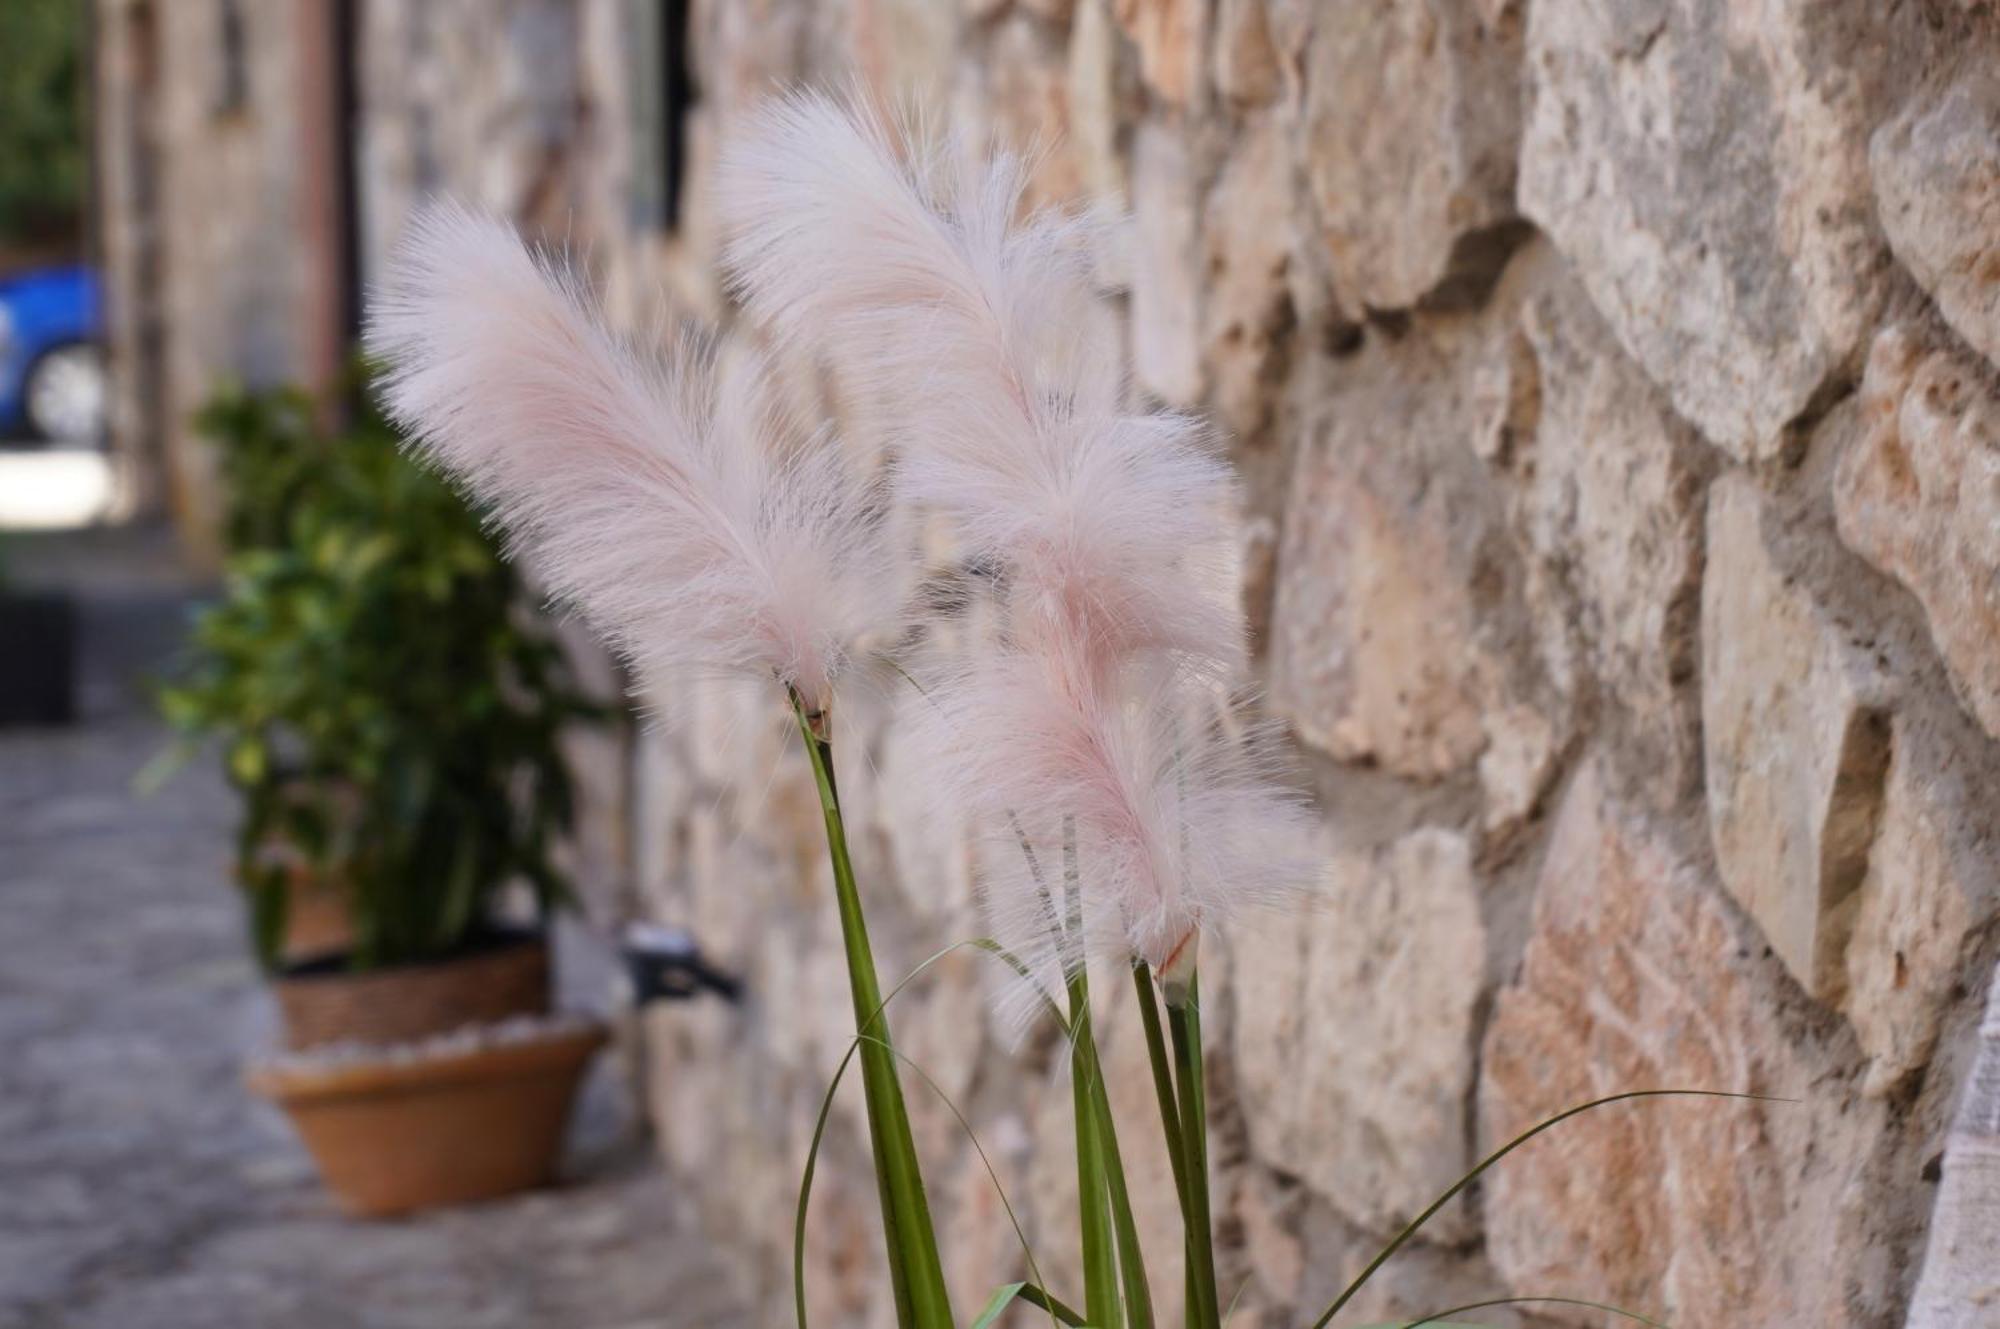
(202, 209)
(1612, 388)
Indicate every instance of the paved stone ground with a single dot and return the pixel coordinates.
(140, 1186)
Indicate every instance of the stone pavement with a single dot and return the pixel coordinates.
(140, 1186)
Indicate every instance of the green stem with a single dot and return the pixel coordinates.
(916, 1272)
(1184, 1025)
(1101, 1301)
(1131, 1258)
(1170, 1124)
(1100, 1261)
(1163, 1077)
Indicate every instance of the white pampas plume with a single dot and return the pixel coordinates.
(970, 324)
(646, 494)
(1163, 806)
(1074, 743)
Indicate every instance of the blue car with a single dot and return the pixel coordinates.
(51, 361)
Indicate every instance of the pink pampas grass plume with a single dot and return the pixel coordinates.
(971, 322)
(648, 495)
(1073, 742)
(1168, 811)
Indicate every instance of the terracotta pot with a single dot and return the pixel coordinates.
(324, 1003)
(395, 1135)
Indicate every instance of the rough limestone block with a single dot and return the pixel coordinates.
(1932, 883)
(1516, 766)
(1246, 247)
(1610, 504)
(1172, 37)
(1379, 644)
(1937, 179)
(1919, 497)
(1018, 97)
(1704, 167)
(1796, 744)
(1246, 60)
(1411, 125)
(1096, 109)
(1166, 293)
(1698, 1212)
(1354, 1032)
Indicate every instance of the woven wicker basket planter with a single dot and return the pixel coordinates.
(419, 1129)
(323, 1003)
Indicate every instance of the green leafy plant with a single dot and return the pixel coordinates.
(43, 159)
(385, 699)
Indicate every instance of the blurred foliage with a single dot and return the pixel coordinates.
(386, 701)
(44, 161)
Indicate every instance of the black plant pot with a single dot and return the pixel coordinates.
(37, 659)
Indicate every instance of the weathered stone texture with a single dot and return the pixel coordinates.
(1172, 37)
(1247, 247)
(1609, 501)
(1937, 179)
(1377, 652)
(1797, 744)
(1703, 1211)
(1246, 60)
(1516, 765)
(1932, 883)
(1919, 497)
(1097, 102)
(1411, 123)
(1704, 166)
(1354, 1031)
(1166, 242)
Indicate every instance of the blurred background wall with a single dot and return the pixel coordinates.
(1614, 391)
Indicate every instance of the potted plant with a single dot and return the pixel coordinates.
(390, 711)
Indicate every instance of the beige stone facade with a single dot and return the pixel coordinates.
(1614, 388)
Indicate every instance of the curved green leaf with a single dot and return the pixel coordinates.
(1029, 1293)
(1438, 1319)
(1002, 1298)
(1410, 1230)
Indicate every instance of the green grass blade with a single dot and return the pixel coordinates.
(1438, 1318)
(1163, 1076)
(1020, 1234)
(1002, 1298)
(1041, 1299)
(1101, 1298)
(1184, 1027)
(1170, 1125)
(916, 1272)
(819, 1135)
(1124, 1227)
(1410, 1229)
(1032, 1295)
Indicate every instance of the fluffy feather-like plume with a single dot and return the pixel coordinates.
(972, 323)
(1166, 815)
(1073, 744)
(648, 495)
